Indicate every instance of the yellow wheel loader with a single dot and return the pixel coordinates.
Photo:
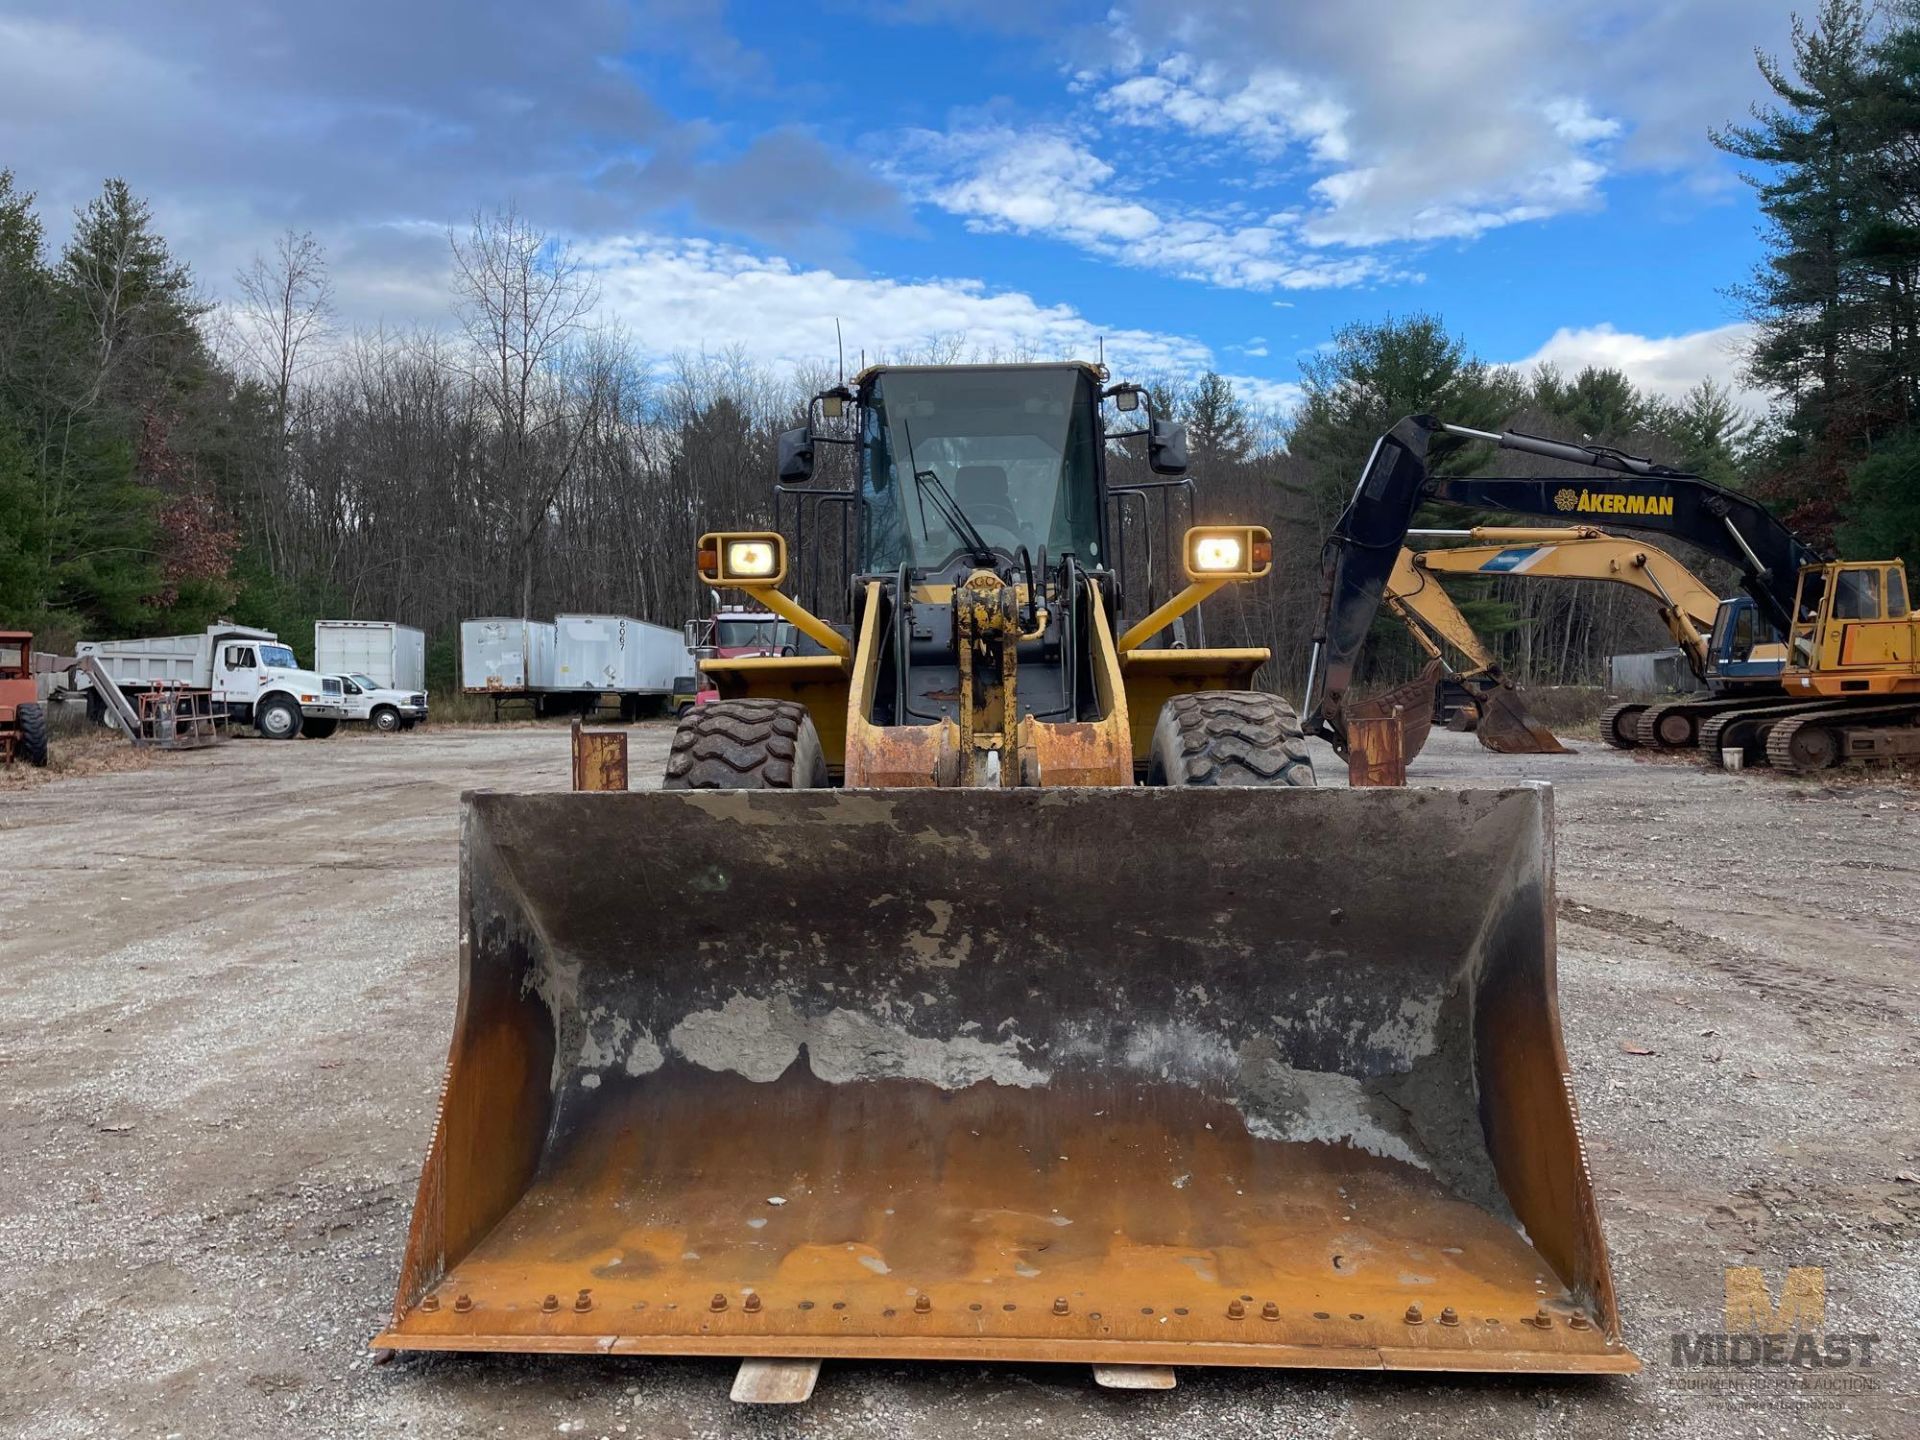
(990, 982)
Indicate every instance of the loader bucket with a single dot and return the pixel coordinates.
(1151, 1076)
(1506, 727)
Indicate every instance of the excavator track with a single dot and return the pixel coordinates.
(1816, 740)
(1619, 724)
(1726, 731)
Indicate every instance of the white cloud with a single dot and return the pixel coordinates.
(1438, 119)
(1668, 365)
(1258, 393)
(1045, 182)
(691, 295)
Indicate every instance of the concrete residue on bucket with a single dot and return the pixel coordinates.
(759, 1037)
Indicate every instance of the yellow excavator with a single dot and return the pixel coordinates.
(990, 981)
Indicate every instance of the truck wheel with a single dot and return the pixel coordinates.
(318, 729)
(385, 719)
(746, 745)
(277, 719)
(33, 733)
(1228, 737)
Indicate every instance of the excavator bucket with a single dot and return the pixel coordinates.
(1135, 1077)
(1413, 701)
(1506, 727)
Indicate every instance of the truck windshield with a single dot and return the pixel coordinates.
(739, 634)
(1013, 449)
(365, 682)
(278, 655)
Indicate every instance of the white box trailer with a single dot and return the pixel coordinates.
(500, 656)
(393, 656)
(616, 655)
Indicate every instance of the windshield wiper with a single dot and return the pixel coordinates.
(949, 508)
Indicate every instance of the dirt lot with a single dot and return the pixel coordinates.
(227, 981)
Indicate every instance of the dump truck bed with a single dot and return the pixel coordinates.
(1121, 1076)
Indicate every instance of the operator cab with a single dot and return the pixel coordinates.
(965, 466)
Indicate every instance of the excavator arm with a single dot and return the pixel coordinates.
(1634, 494)
(1685, 605)
(1422, 604)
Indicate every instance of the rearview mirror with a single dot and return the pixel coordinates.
(1167, 447)
(796, 456)
(1127, 400)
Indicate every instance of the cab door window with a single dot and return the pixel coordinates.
(1857, 596)
(240, 657)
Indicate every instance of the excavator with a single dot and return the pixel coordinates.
(989, 980)
(1717, 637)
(1847, 687)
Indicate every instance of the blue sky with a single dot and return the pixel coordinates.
(1217, 182)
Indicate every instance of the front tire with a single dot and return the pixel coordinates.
(746, 745)
(319, 729)
(277, 719)
(33, 733)
(385, 719)
(1229, 737)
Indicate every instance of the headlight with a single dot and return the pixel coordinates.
(1217, 552)
(754, 559)
(751, 559)
(1228, 552)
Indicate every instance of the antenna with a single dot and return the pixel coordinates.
(841, 346)
(1102, 342)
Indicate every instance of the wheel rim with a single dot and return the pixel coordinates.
(387, 721)
(1675, 731)
(1812, 749)
(277, 723)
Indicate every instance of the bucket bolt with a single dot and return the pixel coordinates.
(1449, 1316)
(752, 1304)
(462, 1304)
(1414, 1317)
(1236, 1311)
(1578, 1321)
(922, 1304)
(1270, 1311)
(583, 1301)
(550, 1304)
(430, 1304)
(1542, 1319)
(717, 1303)
(1060, 1305)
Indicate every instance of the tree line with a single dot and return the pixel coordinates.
(165, 461)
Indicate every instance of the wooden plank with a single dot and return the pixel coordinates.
(775, 1382)
(1133, 1377)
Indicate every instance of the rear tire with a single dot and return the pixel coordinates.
(277, 720)
(385, 719)
(1229, 737)
(746, 745)
(33, 733)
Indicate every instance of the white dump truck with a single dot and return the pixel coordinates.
(393, 656)
(250, 675)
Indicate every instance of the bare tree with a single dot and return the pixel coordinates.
(522, 297)
(279, 330)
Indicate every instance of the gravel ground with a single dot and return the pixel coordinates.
(227, 981)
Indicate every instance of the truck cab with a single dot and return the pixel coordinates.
(262, 684)
(1744, 649)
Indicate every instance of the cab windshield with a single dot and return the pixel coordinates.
(278, 656)
(739, 634)
(1010, 452)
(365, 682)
